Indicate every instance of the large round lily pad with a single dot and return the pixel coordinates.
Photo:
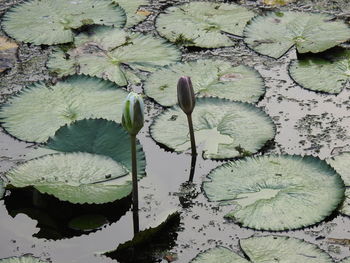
(109, 53)
(223, 128)
(203, 24)
(210, 78)
(267, 249)
(74, 177)
(40, 110)
(276, 192)
(274, 34)
(24, 259)
(328, 74)
(52, 22)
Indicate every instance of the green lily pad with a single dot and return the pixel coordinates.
(98, 137)
(52, 22)
(225, 128)
(346, 260)
(40, 110)
(276, 192)
(322, 74)
(210, 78)
(75, 177)
(2, 188)
(267, 249)
(273, 35)
(24, 259)
(203, 24)
(109, 53)
(133, 13)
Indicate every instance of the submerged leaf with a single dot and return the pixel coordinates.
(203, 24)
(223, 127)
(273, 35)
(39, 110)
(8, 53)
(52, 22)
(209, 78)
(322, 74)
(24, 259)
(108, 52)
(74, 177)
(133, 14)
(277, 192)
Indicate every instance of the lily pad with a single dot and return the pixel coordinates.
(203, 24)
(276, 192)
(322, 74)
(225, 128)
(210, 78)
(267, 249)
(52, 22)
(24, 259)
(133, 12)
(75, 177)
(346, 260)
(110, 53)
(273, 35)
(40, 110)
(2, 188)
(98, 137)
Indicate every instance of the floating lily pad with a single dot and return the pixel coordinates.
(98, 137)
(267, 249)
(24, 259)
(322, 74)
(273, 35)
(203, 24)
(225, 128)
(133, 12)
(40, 110)
(52, 22)
(276, 192)
(210, 78)
(109, 53)
(75, 177)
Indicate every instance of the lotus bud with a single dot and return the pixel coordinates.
(132, 119)
(185, 95)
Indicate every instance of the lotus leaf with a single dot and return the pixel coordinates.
(276, 192)
(52, 22)
(203, 24)
(209, 78)
(274, 34)
(24, 259)
(225, 128)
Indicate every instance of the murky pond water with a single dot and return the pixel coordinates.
(308, 123)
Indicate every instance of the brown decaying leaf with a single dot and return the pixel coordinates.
(8, 51)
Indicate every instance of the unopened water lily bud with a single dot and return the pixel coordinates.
(132, 119)
(185, 95)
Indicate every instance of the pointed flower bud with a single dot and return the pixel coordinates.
(132, 119)
(185, 95)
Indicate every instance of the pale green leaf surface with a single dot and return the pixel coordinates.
(24, 259)
(282, 249)
(203, 24)
(341, 164)
(134, 15)
(273, 35)
(209, 78)
(218, 255)
(51, 22)
(345, 208)
(346, 260)
(220, 126)
(276, 192)
(104, 53)
(74, 177)
(39, 111)
(320, 74)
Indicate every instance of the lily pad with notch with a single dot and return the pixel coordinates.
(23, 259)
(276, 192)
(113, 54)
(210, 78)
(274, 34)
(327, 73)
(266, 249)
(39, 110)
(203, 24)
(53, 22)
(225, 128)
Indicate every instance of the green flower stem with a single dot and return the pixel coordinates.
(193, 142)
(135, 197)
(193, 168)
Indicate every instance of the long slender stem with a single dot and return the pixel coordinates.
(193, 142)
(193, 168)
(135, 196)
